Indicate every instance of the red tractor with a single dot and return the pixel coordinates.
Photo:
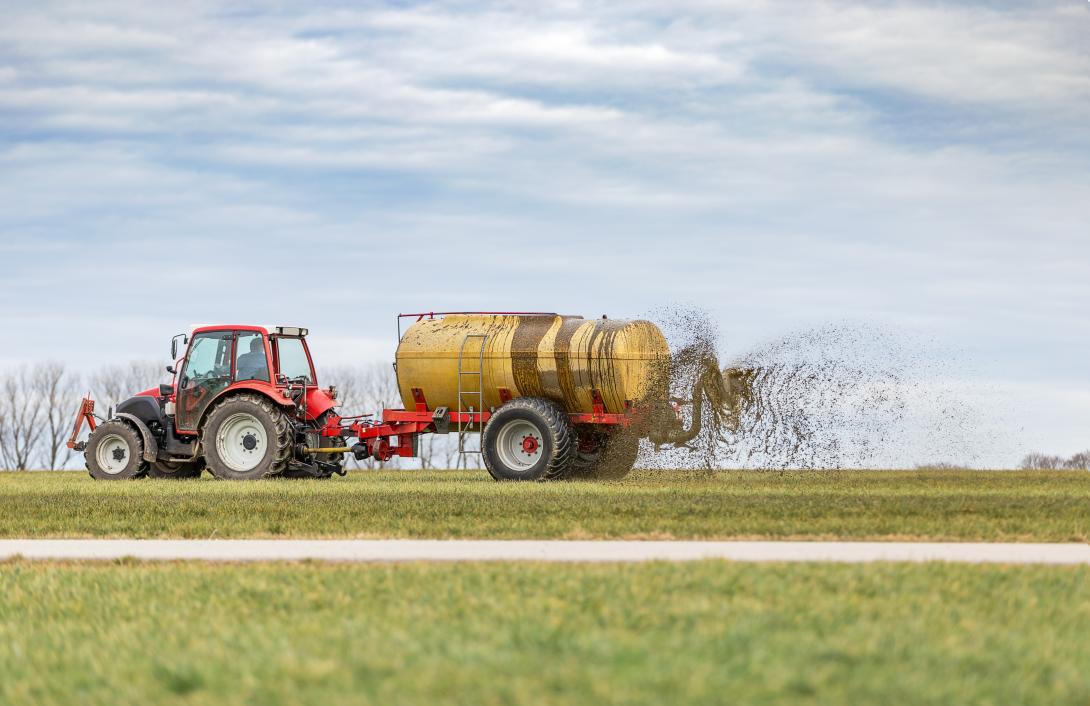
(244, 404)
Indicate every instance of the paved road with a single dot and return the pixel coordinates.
(537, 550)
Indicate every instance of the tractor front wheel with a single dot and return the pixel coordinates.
(115, 451)
(246, 437)
(528, 438)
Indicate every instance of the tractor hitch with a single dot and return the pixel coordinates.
(86, 413)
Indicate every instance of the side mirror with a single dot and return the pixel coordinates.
(174, 345)
(171, 370)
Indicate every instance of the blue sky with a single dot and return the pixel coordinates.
(923, 166)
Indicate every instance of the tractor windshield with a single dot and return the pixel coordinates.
(293, 359)
(210, 355)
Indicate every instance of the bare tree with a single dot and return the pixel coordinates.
(1080, 461)
(366, 389)
(21, 411)
(425, 450)
(1041, 462)
(449, 450)
(3, 426)
(116, 383)
(941, 466)
(56, 393)
(380, 386)
(439, 451)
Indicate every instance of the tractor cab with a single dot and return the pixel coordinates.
(274, 361)
(265, 359)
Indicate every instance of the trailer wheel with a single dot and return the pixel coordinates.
(176, 469)
(115, 451)
(612, 457)
(528, 439)
(246, 437)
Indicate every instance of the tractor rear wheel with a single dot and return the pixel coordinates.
(115, 451)
(246, 437)
(612, 457)
(528, 438)
(176, 469)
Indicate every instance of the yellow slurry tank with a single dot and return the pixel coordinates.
(562, 358)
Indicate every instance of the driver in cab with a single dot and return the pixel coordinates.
(253, 365)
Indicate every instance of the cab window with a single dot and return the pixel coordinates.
(209, 356)
(293, 360)
(250, 360)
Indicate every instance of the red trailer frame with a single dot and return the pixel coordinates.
(396, 432)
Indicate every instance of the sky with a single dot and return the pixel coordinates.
(919, 166)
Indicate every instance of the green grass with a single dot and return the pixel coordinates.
(965, 506)
(707, 632)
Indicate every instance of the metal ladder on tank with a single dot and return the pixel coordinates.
(470, 393)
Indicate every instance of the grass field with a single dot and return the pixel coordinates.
(707, 632)
(963, 506)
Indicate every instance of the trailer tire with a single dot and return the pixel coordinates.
(176, 470)
(115, 451)
(528, 438)
(246, 437)
(613, 458)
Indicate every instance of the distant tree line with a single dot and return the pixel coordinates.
(1044, 462)
(38, 405)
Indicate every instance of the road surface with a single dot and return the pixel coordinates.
(386, 550)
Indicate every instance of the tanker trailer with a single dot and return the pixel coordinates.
(564, 396)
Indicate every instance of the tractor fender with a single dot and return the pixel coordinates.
(151, 447)
(318, 403)
(261, 388)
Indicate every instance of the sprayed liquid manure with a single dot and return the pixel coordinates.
(838, 396)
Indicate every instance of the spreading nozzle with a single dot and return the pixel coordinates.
(724, 394)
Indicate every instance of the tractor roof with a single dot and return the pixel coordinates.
(264, 329)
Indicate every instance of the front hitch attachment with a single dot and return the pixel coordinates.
(86, 413)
